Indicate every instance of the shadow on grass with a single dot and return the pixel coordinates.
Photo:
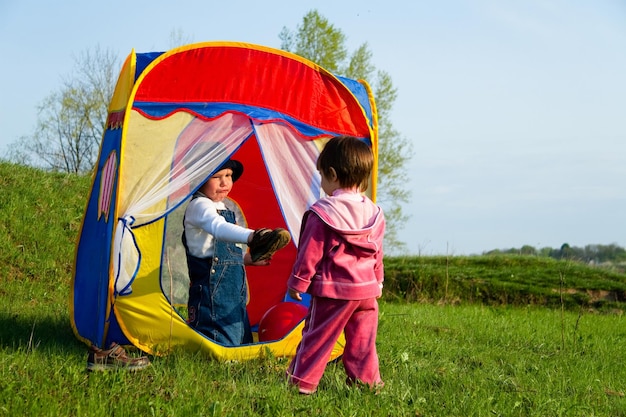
(19, 332)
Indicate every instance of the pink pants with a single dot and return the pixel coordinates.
(326, 319)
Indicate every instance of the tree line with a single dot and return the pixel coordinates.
(591, 254)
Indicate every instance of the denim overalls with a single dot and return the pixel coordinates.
(218, 292)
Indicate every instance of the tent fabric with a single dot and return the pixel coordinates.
(174, 118)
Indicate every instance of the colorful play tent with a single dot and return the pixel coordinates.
(174, 118)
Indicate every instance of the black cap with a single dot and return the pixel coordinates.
(234, 165)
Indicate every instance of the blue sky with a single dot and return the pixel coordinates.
(516, 109)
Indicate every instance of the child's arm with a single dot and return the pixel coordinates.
(202, 213)
(310, 253)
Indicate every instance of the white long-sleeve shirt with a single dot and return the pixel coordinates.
(203, 225)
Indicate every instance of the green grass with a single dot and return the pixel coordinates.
(505, 280)
(467, 360)
(458, 336)
(40, 215)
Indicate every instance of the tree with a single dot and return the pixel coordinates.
(71, 121)
(319, 41)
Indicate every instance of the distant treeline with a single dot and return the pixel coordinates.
(591, 254)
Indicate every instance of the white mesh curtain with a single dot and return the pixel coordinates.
(166, 182)
(291, 162)
(201, 146)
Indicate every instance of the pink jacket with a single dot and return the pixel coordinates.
(340, 252)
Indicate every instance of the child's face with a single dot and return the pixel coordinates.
(219, 185)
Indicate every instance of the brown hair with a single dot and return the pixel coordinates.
(351, 158)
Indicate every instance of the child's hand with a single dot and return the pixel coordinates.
(295, 295)
(247, 260)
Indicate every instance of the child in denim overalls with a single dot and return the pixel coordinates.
(215, 260)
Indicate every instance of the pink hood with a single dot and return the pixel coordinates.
(340, 252)
(358, 220)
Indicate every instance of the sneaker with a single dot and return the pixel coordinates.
(114, 358)
(265, 242)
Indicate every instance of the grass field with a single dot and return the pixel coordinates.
(466, 360)
(466, 336)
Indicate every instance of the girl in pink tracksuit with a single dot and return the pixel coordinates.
(340, 264)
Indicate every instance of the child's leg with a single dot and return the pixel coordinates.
(324, 324)
(217, 306)
(359, 357)
(228, 318)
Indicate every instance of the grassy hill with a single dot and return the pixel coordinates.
(40, 216)
(41, 213)
(505, 280)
